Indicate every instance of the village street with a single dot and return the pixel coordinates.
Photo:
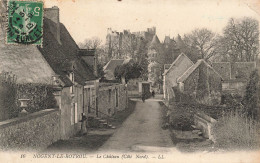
(141, 131)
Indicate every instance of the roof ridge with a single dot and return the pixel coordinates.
(194, 67)
(182, 54)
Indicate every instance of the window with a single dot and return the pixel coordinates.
(93, 97)
(116, 94)
(88, 96)
(225, 86)
(71, 76)
(109, 95)
(74, 114)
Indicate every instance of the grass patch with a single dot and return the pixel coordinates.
(236, 131)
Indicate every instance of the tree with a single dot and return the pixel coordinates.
(142, 57)
(239, 42)
(170, 51)
(93, 43)
(191, 52)
(128, 71)
(251, 96)
(129, 45)
(113, 45)
(202, 41)
(203, 83)
(100, 71)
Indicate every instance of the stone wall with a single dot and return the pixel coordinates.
(71, 110)
(107, 100)
(205, 123)
(181, 64)
(35, 131)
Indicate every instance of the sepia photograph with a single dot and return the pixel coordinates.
(129, 81)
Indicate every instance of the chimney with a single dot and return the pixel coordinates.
(54, 15)
(90, 57)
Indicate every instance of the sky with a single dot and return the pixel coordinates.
(91, 18)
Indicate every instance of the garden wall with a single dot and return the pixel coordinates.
(205, 123)
(35, 131)
(111, 99)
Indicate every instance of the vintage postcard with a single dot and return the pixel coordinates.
(129, 81)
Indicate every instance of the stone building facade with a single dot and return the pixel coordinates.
(176, 69)
(111, 99)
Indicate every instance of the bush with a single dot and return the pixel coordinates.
(236, 131)
(40, 96)
(251, 95)
(8, 107)
(129, 71)
(181, 119)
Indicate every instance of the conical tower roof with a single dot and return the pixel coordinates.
(155, 41)
(167, 40)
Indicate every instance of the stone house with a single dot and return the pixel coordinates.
(235, 75)
(112, 97)
(57, 63)
(77, 96)
(188, 82)
(172, 73)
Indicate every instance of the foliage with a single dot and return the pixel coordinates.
(191, 52)
(100, 71)
(203, 84)
(214, 98)
(100, 50)
(129, 45)
(239, 42)
(236, 131)
(181, 120)
(142, 58)
(251, 96)
(93, 43)
(40, 96)
(170, 52)
(8, 107)
(128, 71)
(202, 41)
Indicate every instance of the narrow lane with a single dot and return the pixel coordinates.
(141, 131)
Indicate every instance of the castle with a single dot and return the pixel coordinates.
(125, 44)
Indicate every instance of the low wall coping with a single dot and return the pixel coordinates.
(25, 118)
(206, 117)
(104, 88)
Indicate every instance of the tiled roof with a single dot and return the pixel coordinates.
(25, 62)
(177, 61)
(223, 68)
(242, 69)
(112, 64)
(62, 57)
(193, 68)
(237, 70)
(167, 66)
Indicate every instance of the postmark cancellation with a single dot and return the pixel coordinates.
(25, 22)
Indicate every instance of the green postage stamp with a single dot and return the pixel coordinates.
(25, 21)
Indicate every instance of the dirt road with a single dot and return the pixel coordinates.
(141, 131)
